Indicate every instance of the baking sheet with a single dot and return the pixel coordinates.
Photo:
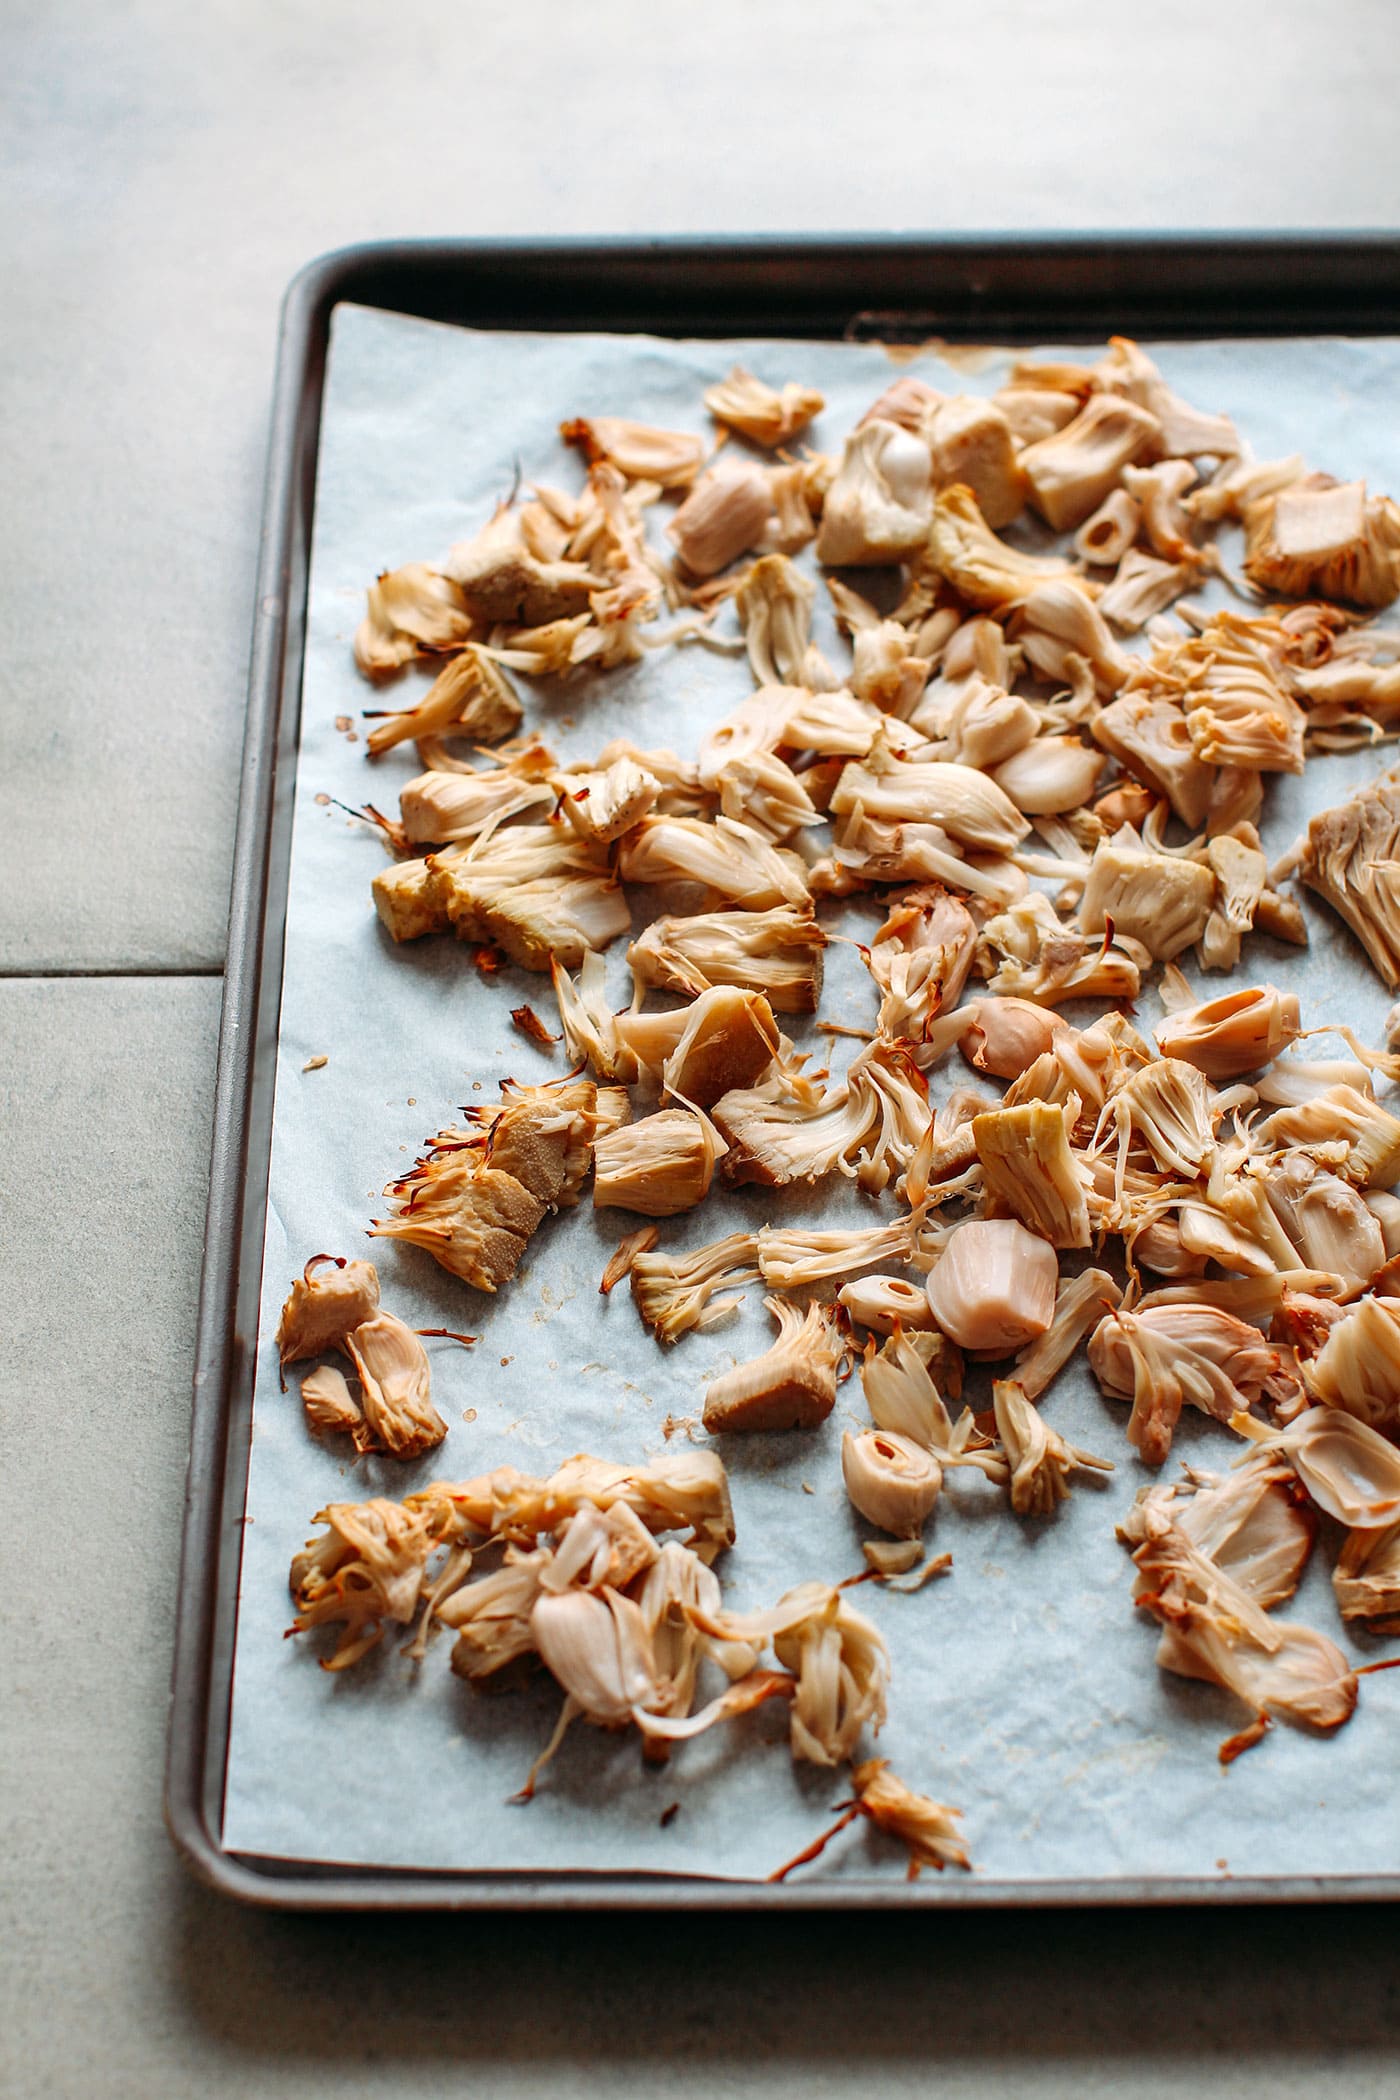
(1023, 1688)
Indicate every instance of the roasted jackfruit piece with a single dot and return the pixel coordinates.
(1144, 586)
(603, 802)
(725, 1038)
(1065, 639)
(727, 857)
(330, 1297)
(892, 1481)
(908, 401)
(1030, 953)
(1251, 1522)
(1035, 412)
(365, 1569)
(886, 1302)
(413, 611)
(671, 458)
(1328, 1221)
(774, 603)
(471, 698)
(1236, 1033)
(763, 792)
(1241, 872)
(474, 1198)
(767, 415)
(589, 1023)
(1165, 1356)
(960, 800)
(1068, 475)
(1040, 1460)
(502, 584)
(331, 1410)
(1329, 540)
(1030, 1172)
(1346, 1127)
(473, 1220)
(1106, 536)
(659, 1165)
(1160, 899)
(786, 1129)
(675, 1293)
(440, 808)
(984, 570)
(1358, 1366)
(993, 1287)
(886, 672)
(555, 919)
(1236, 483)
(1187, 432)
(392, 1366)
(1213, 1629)
(574, 1105)
(724, 515)
(777, 952)
(831, 723)
(1366, 1579)
(1051, 776)
(972, 443)
(1147, 732)
(973, 721)
(877, 509)
(407, 900)
(792, 1385)
(1351, 859)
(920, 958)
(1159, 493)
(464, 878)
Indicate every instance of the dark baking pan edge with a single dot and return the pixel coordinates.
(901, 288)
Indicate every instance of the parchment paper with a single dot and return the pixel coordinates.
(1024, 1688)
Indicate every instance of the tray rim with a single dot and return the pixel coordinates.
(960, 280)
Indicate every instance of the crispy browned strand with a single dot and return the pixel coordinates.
(624, 1254)
(532, 1027)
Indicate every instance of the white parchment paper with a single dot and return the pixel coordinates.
(1024, 1688)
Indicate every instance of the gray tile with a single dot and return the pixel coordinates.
(104, 1133)
(167, 173)
(119, 1977)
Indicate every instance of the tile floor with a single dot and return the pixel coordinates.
(168, 168)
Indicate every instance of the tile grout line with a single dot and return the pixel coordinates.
(10, 974)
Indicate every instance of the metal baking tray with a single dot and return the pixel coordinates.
(881, 288)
